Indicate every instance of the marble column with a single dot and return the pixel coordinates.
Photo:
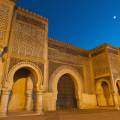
(4, 102)
(39, 95)
(115, 98)
(29, 88)
(28, 106)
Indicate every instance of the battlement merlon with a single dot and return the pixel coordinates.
(36, 16)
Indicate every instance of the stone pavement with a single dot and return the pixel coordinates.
(69, 115)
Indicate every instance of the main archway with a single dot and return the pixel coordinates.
(29, 78)
(36, 72)
(75, 78)
(22, 88)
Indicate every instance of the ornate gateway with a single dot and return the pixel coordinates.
(40, 74)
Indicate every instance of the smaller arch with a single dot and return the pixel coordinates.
(103, 91)
(76, 77)
(99, 83)
(30, 66)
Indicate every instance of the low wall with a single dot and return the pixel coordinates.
(88, 101)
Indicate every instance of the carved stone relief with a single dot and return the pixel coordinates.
(4, 18)
(100, 65)
(28, 40)
(14, 61)
(56, 54)
(115, 65)
(53, 66)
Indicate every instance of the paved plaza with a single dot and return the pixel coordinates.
(68, 115)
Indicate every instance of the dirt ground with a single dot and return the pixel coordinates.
(68, 115)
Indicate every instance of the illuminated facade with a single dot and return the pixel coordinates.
(40, 74)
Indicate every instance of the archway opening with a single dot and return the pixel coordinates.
(66, 98)
(22, 88)
(22, 73)
(118, 87)
(106, 92)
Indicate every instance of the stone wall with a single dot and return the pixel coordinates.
(100, 65)
(114, 61)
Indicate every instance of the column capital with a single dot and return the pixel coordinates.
(113, 92)
(5, 92)
(39, 92)
(29, 92)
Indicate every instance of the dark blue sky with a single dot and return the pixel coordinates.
(83, 23)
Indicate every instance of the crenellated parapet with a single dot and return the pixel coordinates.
(31, 18)
(33, 14)
(65, 47)
(104, 48)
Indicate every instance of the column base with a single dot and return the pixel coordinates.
(3, 114)
(39, 112)
(117, 107)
